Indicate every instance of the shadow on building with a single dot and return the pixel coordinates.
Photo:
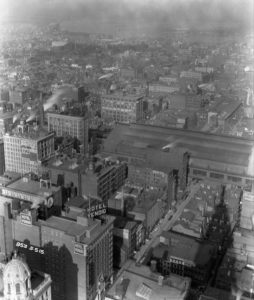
(197, 258)
(58, 262)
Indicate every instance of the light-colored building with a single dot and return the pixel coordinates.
(247, 211)
(122, 108)
(158, 88)
(19, 282)
(26, 148)
(67, 124)
(191, 75)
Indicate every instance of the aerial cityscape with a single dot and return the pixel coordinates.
(126, 150)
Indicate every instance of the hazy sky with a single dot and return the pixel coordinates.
(158, 13)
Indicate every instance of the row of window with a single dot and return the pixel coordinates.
(217, 175)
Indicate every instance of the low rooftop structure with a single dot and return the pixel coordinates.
(185, 248)
(226, 153)
(136, 283)
(84, 229)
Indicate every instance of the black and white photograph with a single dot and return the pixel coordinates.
(126, 149)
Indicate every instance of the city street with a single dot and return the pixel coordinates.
(167, 224)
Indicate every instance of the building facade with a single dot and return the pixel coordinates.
(73, 125)
(103, 181)
(122, 108)
(18, 96)
(27, 148)
(19, 282)
(76, 251)
(2, 163)
(6, 120)
(184, 256)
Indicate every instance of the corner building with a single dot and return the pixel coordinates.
(68, 123)
(78, 256)
(76, 251)
(27, 148)
(122, 108)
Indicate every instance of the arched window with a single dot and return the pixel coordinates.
(17, 288)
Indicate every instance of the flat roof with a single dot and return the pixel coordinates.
(72, 228)
(118, 96)
(226, 108)
(148, 141)
(66, 165)
(29, 134)
(188, 248)
(31, 187)
(66, 115)
(135, 283)
(212, 293)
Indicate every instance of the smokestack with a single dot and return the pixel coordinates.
(41, 111)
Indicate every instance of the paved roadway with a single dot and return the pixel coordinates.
(166, 224)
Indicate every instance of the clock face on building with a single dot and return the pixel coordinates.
(50, 202)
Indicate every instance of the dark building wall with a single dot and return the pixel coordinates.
(65, 178)
(7, 229)
(61, 263)
(2, 164)
(172, 188)
(183, 172)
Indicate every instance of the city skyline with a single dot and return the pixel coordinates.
(126, 150)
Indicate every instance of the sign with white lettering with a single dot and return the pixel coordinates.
(80, 249)
(97, 210)
(26, 218)
(23, 245)
(19, 195)
(248, 196)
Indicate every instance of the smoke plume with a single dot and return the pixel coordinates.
(54, 99)
(31, 117)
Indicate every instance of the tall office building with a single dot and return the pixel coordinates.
(26, 148)
(122, 108)
(75, 250)
(72, 123)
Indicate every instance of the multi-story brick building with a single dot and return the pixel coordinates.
(122, 107)
(77, 251)
(103, 179)
(184, 256)
(73, 123)
(27, 148)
